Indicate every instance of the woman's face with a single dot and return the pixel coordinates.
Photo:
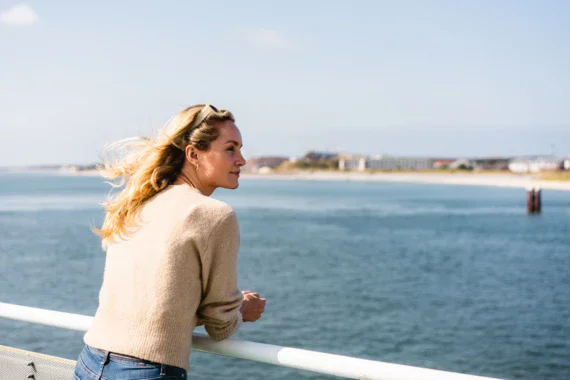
(220, 165)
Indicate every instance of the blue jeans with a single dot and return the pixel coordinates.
(95, 364)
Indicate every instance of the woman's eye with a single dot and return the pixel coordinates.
(231, 149)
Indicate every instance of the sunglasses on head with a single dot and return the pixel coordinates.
(206, 111)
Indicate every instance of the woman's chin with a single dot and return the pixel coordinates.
(232, 185)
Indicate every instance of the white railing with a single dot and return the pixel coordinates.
(343, 366)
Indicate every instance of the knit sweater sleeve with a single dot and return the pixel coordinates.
(221, 298)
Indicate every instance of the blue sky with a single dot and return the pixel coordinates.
(441, 78)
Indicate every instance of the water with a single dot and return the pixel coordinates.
(457, 278)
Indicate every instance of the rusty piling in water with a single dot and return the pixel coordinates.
(533, 200)
(537, 199)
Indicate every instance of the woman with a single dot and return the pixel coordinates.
(171, 259)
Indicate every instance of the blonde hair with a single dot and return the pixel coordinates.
(147, 166)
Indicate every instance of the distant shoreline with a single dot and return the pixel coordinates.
(470, 179)
(473, 179)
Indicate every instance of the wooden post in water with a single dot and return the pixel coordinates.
(530, 200)
(537, 199)
(533, 200)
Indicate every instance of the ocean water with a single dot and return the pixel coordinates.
(456, 278)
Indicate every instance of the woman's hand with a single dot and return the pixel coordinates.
(252, 307)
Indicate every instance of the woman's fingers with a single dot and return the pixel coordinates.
(250, 292)
(253, 306)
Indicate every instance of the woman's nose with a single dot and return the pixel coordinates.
(241, 161)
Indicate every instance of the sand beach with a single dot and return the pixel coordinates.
(478, 179)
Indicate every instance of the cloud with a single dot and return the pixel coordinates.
(267, 38)
(19, 15)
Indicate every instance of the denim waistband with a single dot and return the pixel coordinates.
(120, 356)
(133, 359)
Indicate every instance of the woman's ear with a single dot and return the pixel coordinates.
(191, 155)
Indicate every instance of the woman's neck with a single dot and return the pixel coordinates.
(187, 176)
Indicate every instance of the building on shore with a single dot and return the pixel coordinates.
(347, 162)
(461, 164)
(267, 163)
(399, 163)
(535, 164)
(487, 163)
(362, 163)
(442, 163)
(491, 163)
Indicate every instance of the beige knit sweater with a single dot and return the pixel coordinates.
(178, 270)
